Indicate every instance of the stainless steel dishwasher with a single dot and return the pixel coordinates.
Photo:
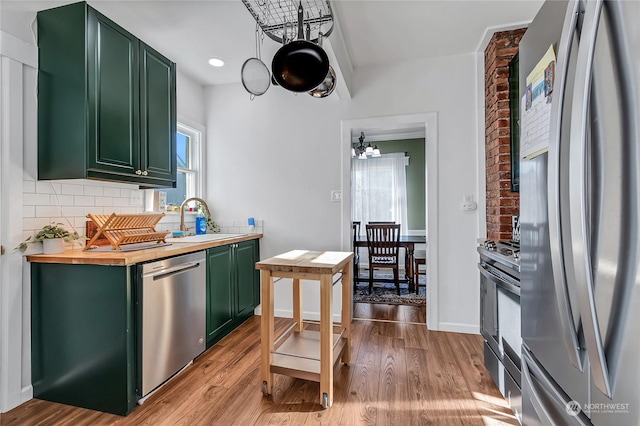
(173, 316)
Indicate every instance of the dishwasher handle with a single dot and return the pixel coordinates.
(164, 273)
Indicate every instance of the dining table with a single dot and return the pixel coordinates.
(407, 242)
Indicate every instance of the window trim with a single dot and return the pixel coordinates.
(195, 157)
(192, 128)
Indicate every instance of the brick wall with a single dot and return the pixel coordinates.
(501, 202)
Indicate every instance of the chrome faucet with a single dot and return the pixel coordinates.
(184, 203)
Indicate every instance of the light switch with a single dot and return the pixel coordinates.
(336, 195)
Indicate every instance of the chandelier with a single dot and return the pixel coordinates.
(361, 151)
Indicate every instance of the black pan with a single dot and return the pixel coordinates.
(301, 65)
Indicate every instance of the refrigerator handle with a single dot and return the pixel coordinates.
(560, 274)
(578, 198)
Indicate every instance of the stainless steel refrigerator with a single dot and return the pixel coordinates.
(580, 220)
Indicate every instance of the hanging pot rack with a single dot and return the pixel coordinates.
(274, 15)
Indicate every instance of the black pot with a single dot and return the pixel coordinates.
(301, 65)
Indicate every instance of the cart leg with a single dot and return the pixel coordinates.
(266, 325)
(326, 339)
(347, 305)
(297, 305)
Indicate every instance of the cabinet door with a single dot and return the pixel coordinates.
(219, 291)
(113, 98)
(157, 115)
(245, 277)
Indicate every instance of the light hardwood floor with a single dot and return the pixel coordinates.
(400, 374)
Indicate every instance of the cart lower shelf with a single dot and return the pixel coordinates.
(298, 355)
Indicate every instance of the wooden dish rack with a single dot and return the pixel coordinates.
(121, 229)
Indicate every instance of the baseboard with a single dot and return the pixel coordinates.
(455, 327)
(26, 394)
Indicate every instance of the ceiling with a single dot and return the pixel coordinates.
(375, 32)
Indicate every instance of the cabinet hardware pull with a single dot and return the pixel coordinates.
(138, 172)
(145, 173)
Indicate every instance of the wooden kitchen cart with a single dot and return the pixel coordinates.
(305, 354)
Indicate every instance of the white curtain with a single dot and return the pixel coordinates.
(379, 190)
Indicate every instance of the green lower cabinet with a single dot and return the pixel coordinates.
(83, 336)
(232, 287)
(219, 292)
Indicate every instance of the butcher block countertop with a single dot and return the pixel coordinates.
(306, 261)
(122, 258)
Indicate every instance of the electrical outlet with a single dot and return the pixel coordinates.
(336, 195)
(135, 198)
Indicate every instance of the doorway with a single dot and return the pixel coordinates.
(389, 128)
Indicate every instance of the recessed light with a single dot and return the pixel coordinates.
(216, 62)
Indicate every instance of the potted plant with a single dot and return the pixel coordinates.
(53, 238)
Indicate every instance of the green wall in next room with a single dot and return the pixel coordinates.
(416, 171)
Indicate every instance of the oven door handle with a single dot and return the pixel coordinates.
(500, 282)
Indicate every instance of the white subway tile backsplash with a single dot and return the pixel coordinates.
(94, 190)
(70, 211)
(29, 211)
(29, 186)
(83, 200)
(48, 211)
(63, 200)
(129, 210)
(32, 224)
(71, 189)
(95, 210)
(69, 202)
(228, 227)
(47, 187)
(66, 223)
(80, 223)
(111, 192)
(121, 202)
(104, 201)
(36, 199)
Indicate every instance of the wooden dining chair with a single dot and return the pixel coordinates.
(383, 241)
(419, 258)
(355, 225)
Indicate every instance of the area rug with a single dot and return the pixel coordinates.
(387, 293)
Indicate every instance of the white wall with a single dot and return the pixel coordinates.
(190, 100)
(279, 156)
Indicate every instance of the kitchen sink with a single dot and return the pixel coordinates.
(202, 238)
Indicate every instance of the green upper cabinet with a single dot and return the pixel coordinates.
(157, 114)
(106, 102)
(114, 105)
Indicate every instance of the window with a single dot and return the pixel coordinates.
(189, 176)
(379, 189)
